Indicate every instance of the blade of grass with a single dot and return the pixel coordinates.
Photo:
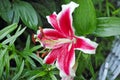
(2, 53)
(52, 76)
(36, 48)
(27, 43)
(7, 30)
(42, 73)
(7, 64)
(31, 61)
(16, 77)
(37, 58)
(17, 60)
(13, 38)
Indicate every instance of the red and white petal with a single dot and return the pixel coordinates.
(85, 45)
(52, 34)
(51, 57)
(52, 19)
(66, 61)
(65, 18)
(48, 38)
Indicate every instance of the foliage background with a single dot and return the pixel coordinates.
(21, 59)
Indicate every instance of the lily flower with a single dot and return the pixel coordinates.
(62, 41)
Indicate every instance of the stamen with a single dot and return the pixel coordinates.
(33, 38)
(40, 33)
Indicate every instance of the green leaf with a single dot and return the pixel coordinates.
(116, 12)
(4, 5)
(36, 48)
(66, 1)
(41, 9)
(17, 60)
(50, 4)
(2, 63)
(84, 17)
(41, 73)
(31, 61)
(86, 56)
(16, 77)
(27, 43)
(107, 26)
(17, 33)
(33, 73)
(81, 77)
(97, 1)
(27, 14)
(7, 64)
(5, 10)
(13, 38)
(91, 68)
(16, 14)
(7, 16)
(7, 30)
(81, 66)
(52, 76)
(37, 58)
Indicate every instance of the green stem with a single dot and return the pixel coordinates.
(107, 8)
(79, 56)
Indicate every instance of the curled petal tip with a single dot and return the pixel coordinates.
(85, 45)
(71, 5)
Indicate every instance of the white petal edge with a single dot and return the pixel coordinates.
(72, 5)
(48, 18)
(44, 61)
